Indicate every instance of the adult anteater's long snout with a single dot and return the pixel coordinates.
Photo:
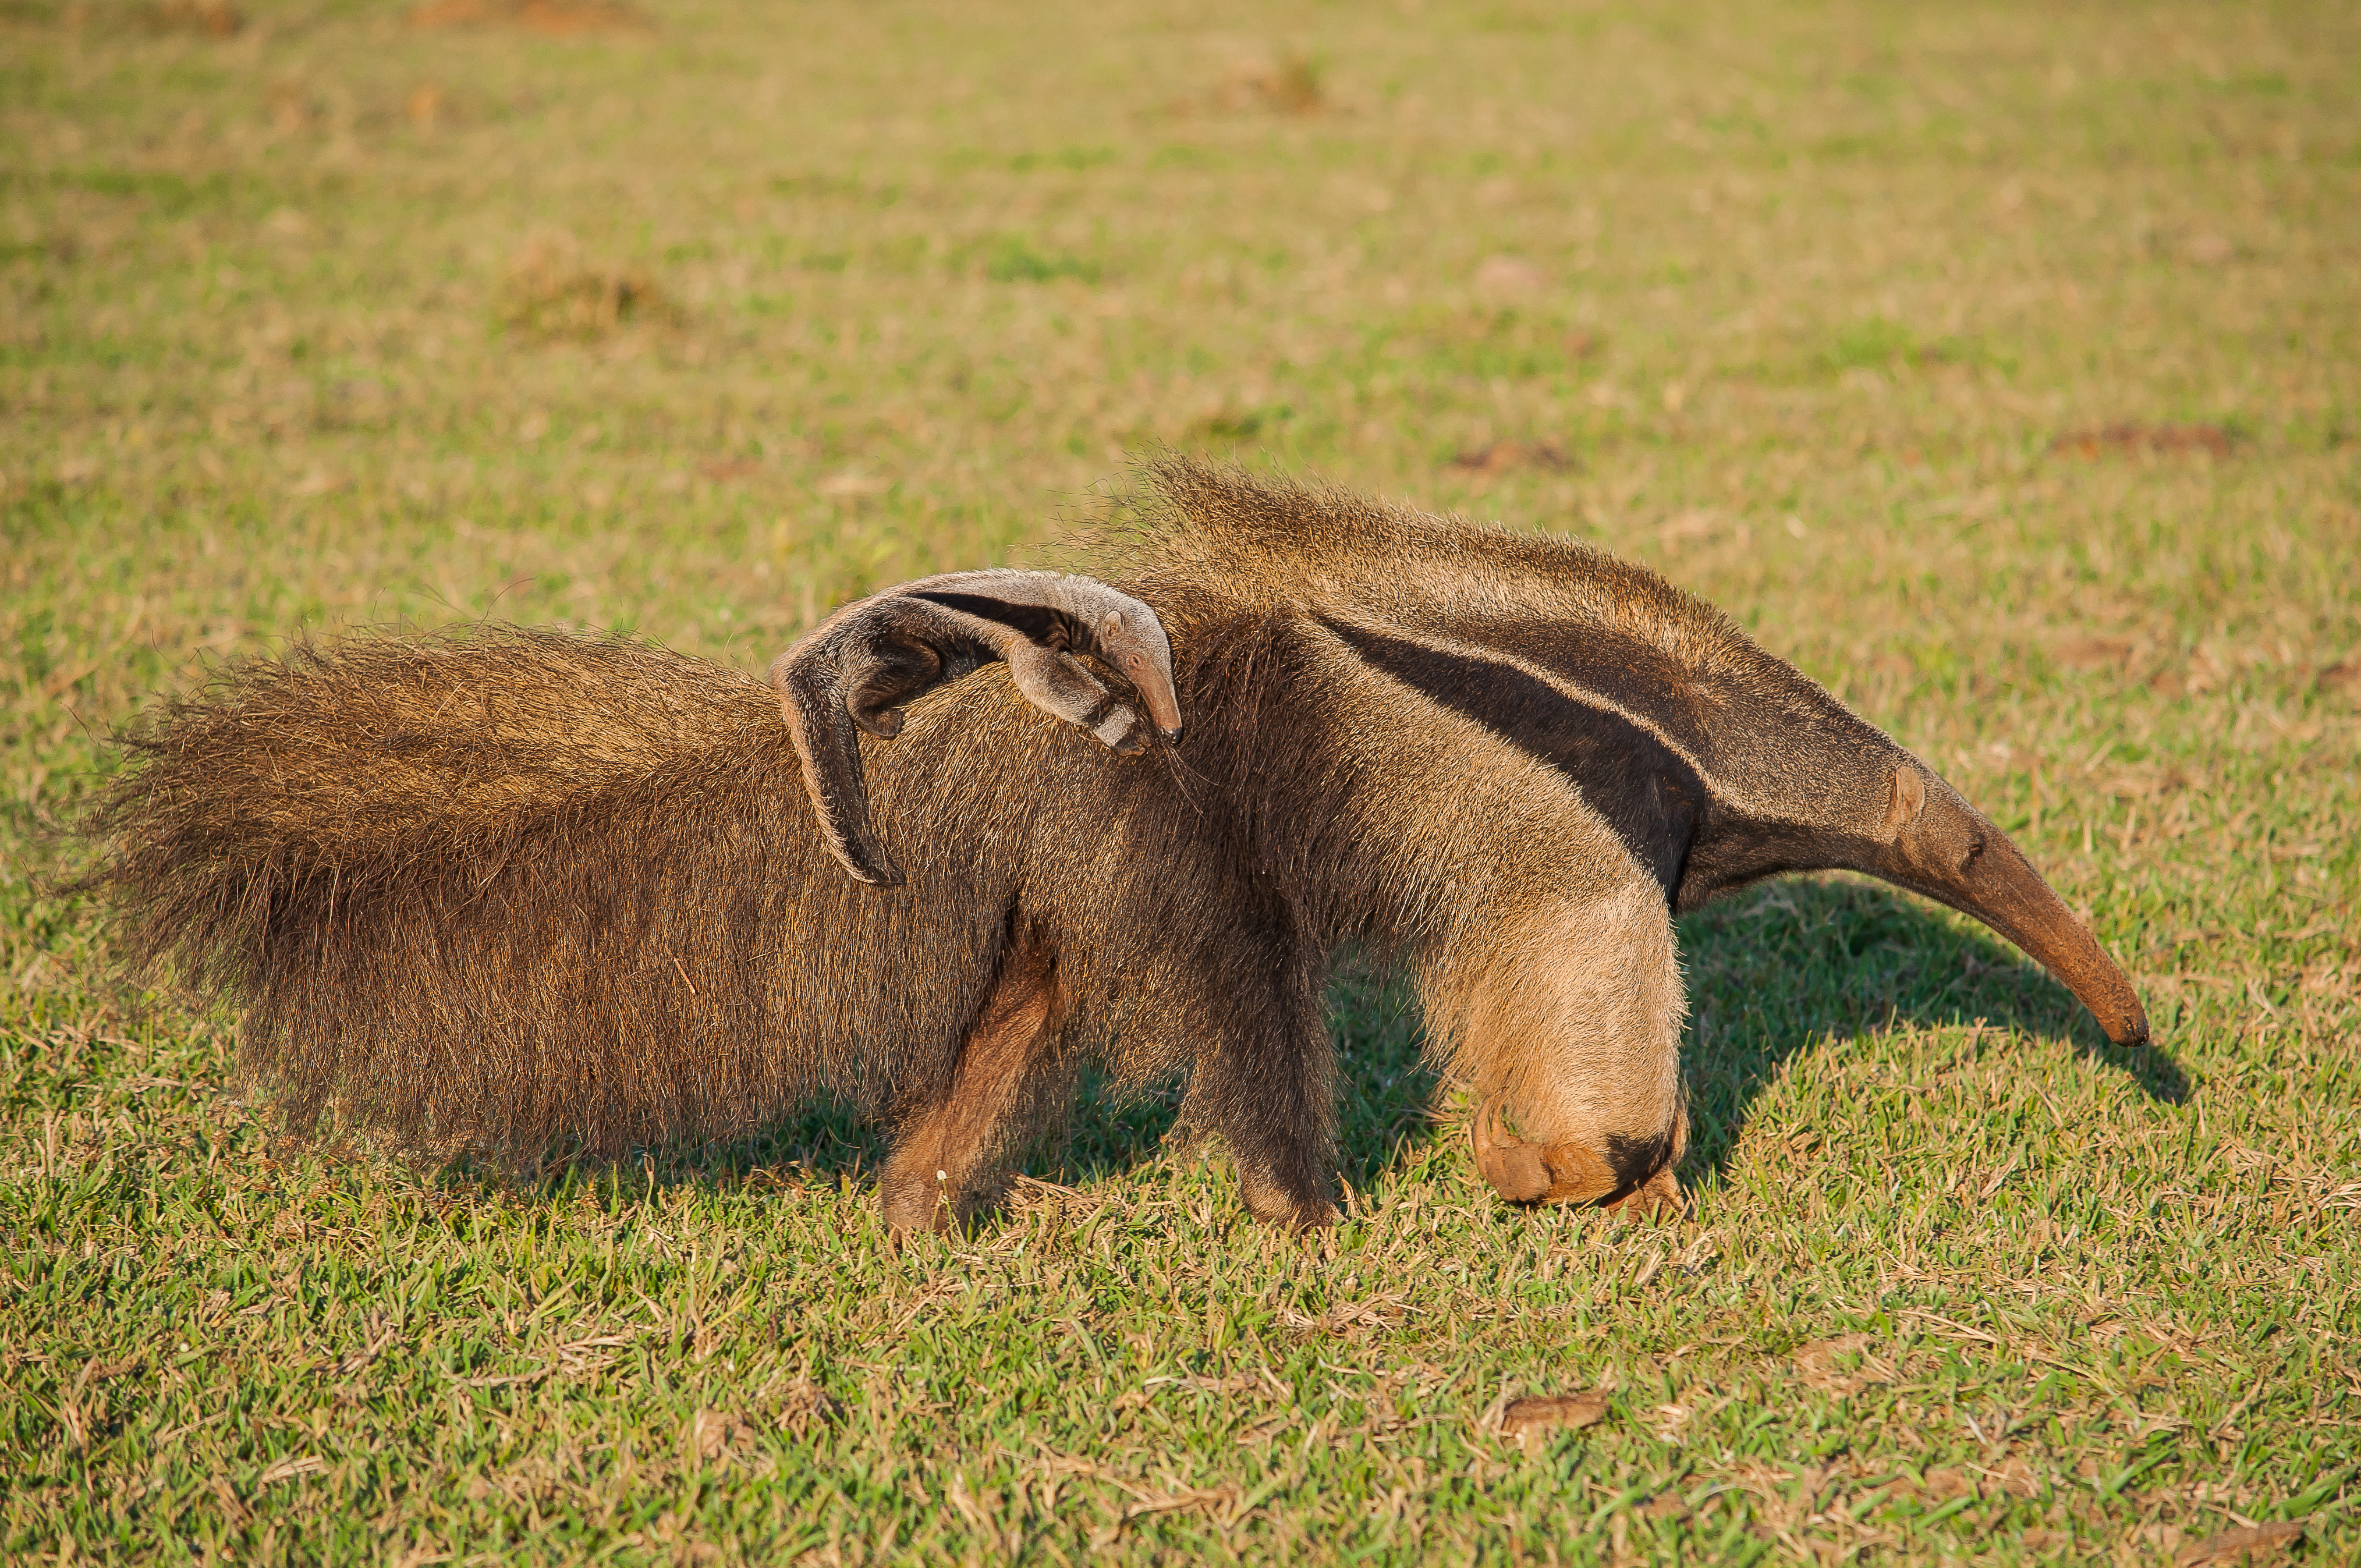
(1950, 852)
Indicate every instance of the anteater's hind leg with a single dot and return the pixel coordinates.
(948, 1154)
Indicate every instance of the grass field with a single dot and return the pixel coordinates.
(2000, 365)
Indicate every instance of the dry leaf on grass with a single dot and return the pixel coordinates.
(1545, 1413)
(2165, 439)
(1505, 457)
(1535, 1415)
(2248, 1544)
(1224, 1504)
(962, 1500)
(2016, 1478)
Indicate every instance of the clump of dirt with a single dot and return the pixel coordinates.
(213, 18)
(1290, 85)
(552, 291)
(554, 18)
(2164, 440)
(1507, 456)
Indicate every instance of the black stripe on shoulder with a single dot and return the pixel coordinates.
(1651, 797)
(1626, 673)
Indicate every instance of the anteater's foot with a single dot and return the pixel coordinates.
(912, 1200)
(1292, 1206)
(1659, 1197)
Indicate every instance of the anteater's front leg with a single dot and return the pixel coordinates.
(949, 1146)
(1265, 1080)
(1569, 1026)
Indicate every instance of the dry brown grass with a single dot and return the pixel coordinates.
(551, 291)
(213, 18)
(552, 18)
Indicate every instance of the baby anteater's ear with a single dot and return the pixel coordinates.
(860, 667)
(1054, 613)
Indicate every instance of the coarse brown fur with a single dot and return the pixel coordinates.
(518, 888)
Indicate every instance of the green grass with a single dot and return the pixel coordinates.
(1806, 298)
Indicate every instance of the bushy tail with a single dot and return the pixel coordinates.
(462, 884)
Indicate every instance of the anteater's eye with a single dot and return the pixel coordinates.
(1975, 847)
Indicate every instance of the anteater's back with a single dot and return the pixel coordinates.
(513, 887)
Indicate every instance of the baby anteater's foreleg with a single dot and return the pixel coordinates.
(947, 1157)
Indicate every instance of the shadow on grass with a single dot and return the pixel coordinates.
(1771, 972)
(1386, 1091)
(1794, 961)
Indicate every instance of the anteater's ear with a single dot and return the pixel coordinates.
(1905, 798)
(857, 669)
